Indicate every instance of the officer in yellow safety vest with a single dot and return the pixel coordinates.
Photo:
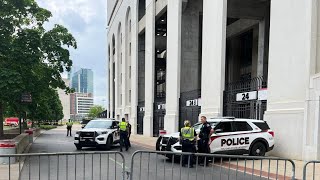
(187, 139)
(69, 127)
(123, 126)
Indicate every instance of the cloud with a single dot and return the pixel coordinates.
(86, 20)
(86, 9)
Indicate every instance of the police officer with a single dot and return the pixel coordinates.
(69, 127)
(187, 138)
(204, 138)
(123, 126)
(129, 134)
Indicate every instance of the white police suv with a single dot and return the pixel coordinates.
(231, 136)
(99, 133)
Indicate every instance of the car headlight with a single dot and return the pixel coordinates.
(77, 132)
(105, 132)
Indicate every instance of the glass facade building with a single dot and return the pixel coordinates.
(82, 81)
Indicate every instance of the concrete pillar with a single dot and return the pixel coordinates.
(261, 48)
(311, 134)
(149, 68)
(213, 57)
(111, 80)
(124, 68)
(289, 75)
(134, 67)
(258, 51)
(171, 119)
(116, 79)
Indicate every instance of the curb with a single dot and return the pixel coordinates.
(26, 151)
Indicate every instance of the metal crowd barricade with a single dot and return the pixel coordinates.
(79, 166)
(157, 165)
(314, 167)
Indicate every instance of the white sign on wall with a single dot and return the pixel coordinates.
(162, 106)
(141, 109)
(263, 94)
(246, 96)
(193, 102)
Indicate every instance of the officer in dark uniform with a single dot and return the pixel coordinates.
(187, 138)
(129, 134)
(204, 138)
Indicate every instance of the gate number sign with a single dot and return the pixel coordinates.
(193, 102)
(246, 96)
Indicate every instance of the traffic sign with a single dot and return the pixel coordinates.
(26, 98)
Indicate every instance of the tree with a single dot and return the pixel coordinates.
(95, 111)
(31, 58)
(47, 106)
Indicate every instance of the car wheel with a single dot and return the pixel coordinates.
(258, 149)
(158, 143)
(78, 147)
(109, 143)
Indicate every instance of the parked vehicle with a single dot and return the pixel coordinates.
(231, 136)
(99, 133)
(12, 121)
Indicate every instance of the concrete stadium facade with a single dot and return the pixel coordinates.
(171, 60)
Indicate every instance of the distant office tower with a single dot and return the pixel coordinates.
(80, 104)
(82, 81)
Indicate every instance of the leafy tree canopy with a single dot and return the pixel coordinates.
(31, 57)
(95, 111)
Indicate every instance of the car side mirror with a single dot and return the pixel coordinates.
(218, 131)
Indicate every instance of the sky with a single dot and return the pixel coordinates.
(86, 20)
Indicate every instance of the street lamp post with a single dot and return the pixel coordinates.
(26, 98)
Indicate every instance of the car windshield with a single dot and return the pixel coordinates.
(99, 124)
(84, 121)
(199, 125)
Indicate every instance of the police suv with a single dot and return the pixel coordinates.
(99, 133)
(231, 136)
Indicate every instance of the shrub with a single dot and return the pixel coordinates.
(47, 127)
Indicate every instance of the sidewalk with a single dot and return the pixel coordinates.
(13, 170)
(144, 141)
(150, 143)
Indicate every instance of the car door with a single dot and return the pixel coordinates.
(222, 137)
(116, 134)
(243, 136)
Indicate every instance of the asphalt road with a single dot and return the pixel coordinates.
(109, 166)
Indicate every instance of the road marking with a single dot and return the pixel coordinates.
(120, 164)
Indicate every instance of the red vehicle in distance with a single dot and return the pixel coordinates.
(13, 122)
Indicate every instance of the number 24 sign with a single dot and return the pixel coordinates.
(246, 96)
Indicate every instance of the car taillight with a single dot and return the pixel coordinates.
(272, 133)
(213, 138)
